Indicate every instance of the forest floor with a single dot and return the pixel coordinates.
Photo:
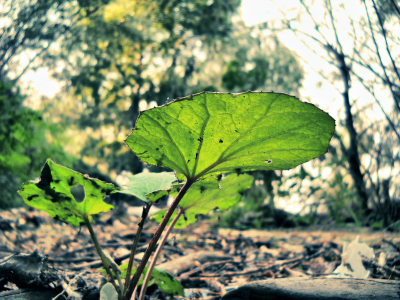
(207, 262)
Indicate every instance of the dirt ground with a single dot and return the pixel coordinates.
(208, 263)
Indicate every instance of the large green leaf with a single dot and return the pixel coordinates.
(149, 186)
(201, 200)
(212, 133)
(52, 194)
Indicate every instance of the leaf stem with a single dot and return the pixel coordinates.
(104, 260)
(145, 213)
(119, 282)
(155, 239)
(157, 254)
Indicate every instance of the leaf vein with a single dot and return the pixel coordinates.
(201, 137)
(269, 137)
(248, 130)
(173, 142)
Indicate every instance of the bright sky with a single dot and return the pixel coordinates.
(326, 97)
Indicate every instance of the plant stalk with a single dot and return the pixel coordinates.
(145, 213)
(157, 254)
(104, 260)
(156, 237)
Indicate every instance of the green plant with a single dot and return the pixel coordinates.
(24, 144)
(198, 136)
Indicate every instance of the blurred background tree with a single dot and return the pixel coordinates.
(364, 147)
(25, 142)
(114, 58)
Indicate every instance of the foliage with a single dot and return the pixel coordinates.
(195, 127)
(361, 185)
(30, 29)
(250, 205)
(127, 52)
(206, 195)
(165, 281)
(53, 194)
(149, 186)
(214, 133)
(25, 142)
(271, 66)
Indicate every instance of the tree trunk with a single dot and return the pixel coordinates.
(352, 152)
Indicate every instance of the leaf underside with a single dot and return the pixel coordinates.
(198, 200)
(52, 194)
(149, 186)
(212, 133)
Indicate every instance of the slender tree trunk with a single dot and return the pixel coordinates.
(352, 151)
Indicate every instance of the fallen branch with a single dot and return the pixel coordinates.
(316, 289)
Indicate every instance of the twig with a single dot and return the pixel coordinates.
(396, 7)
(329, 8)
(386, 42)
(378, 102)
(315, 23)
(380, 59)
(62, 292)
(376, 265)
(98, 263)
(392, 244)
(204, 266)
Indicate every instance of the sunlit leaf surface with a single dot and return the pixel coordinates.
(52, 194)
(205, 195)
(149, 186)
(212, 133)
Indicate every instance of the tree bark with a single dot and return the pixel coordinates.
(352, 151)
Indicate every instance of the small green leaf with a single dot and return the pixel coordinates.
(108, 292)
(121, 271)
(149, 186)
(213, 133)
(201, 200)
(52, 194)
(165, 281)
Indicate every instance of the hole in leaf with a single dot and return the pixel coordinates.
(78, 192)
(268, 161)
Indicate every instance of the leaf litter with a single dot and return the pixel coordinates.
(208, 262)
